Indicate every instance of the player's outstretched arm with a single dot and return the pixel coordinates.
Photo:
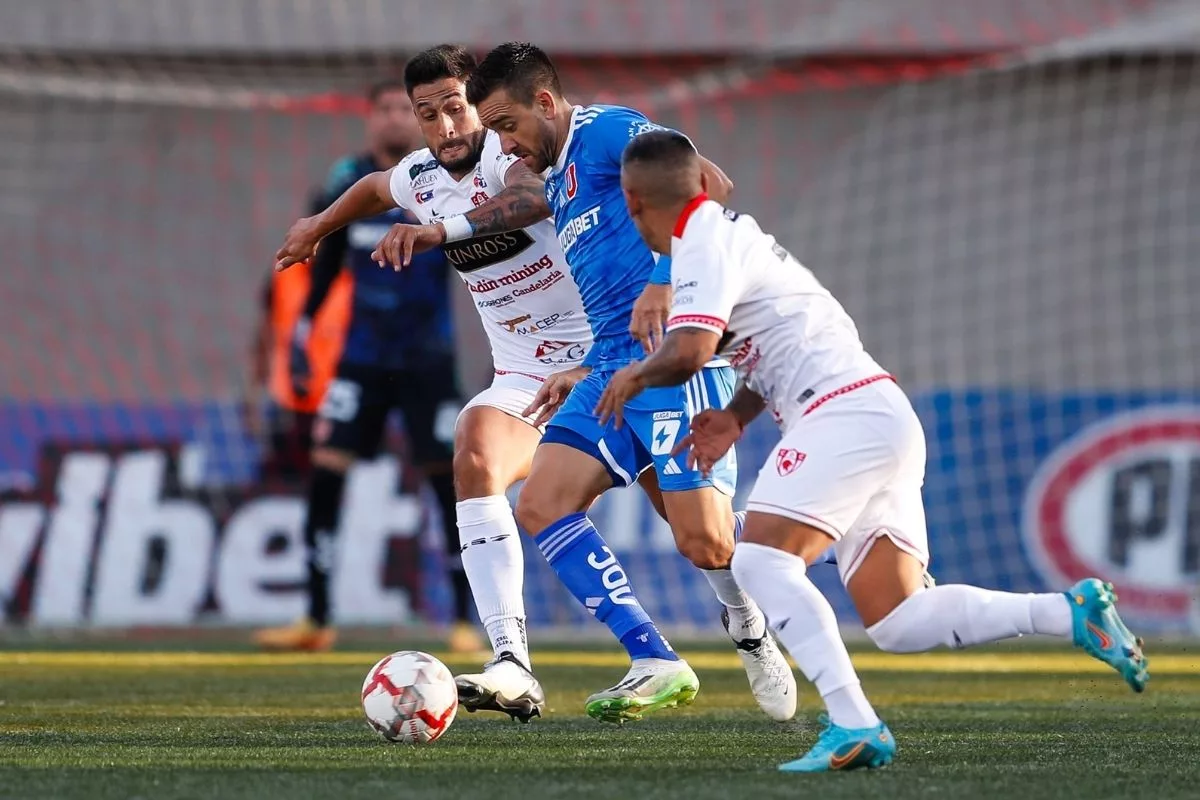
(521, 203)
(367, 197)
(684, 352)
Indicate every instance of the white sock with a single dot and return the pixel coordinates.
(804, 621)
(957, 615)
(745, 620)
(493, 561)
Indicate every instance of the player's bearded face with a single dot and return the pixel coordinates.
(526, 132)
(460, 152)
(450, 127)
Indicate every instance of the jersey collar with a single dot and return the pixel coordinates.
(561, 163)
(687, 212)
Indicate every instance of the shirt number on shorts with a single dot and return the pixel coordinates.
(341, 401)
(662, 439)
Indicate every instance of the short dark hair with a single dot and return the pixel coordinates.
(381, 87)
(662, 147)
(438, 63)
(520, 68)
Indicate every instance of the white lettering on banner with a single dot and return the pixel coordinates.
(576, 226)
(373, 513)
(245, 571)
(128, 590)
(20, 524)
(67, 550)
(161, 558)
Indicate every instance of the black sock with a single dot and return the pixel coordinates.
(320, 528)
(464, 602)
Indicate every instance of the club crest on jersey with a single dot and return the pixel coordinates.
(572, 183)
(788, 461)
(479, 198)
(425, 197)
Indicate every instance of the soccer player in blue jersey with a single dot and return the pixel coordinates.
(518, 94)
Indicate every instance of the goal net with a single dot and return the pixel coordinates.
(1007, 201)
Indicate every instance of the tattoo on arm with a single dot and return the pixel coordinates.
(746, 405)
(682, 355)
(520, 204)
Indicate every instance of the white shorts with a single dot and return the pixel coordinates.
(853, 468)
(510, 392)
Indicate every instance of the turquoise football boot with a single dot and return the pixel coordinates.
(846, 748)
(1098, 629)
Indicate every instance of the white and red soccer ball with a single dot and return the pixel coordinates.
(410, 697)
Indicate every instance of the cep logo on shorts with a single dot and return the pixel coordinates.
(788, 460)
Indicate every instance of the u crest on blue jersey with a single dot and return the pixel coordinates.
(572, 183)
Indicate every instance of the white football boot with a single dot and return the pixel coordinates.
(505, 685)
(650, 684)
(771, 678)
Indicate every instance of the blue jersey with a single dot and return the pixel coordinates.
(608, 259)
(399, 320)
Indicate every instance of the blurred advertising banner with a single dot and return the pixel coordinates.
(158, 516)
(126, 535)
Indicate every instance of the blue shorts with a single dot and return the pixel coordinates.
(655, 421)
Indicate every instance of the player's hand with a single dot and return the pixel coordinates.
(401, 241)
(299, 244)
(713, 432)
(554, 393)
(623, 386)
(649, 318)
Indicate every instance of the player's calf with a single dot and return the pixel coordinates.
(492, 450)
(771, 561)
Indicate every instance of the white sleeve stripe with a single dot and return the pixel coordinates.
(700, 326)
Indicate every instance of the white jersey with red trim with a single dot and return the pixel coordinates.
(519, 280)
(780, 328)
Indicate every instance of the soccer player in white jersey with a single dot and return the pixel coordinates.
(535, 324)
(849, 467)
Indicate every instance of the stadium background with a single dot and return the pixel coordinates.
(1003, 194)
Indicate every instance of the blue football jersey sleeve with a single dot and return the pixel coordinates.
(609, 261)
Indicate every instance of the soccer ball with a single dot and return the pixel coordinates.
(410, 697)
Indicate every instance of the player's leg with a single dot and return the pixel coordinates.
(575, 463)
(772, 561)
(430, 401)
(349, 424)
(493, 449)
(700, 512)
(804, 500)
(885, 557)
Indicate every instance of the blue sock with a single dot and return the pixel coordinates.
(578, 555)
(739, 522)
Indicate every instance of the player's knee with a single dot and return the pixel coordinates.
(536, 510)
(891, 634)
(706, 548)
(332, 459)
(473, 474)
